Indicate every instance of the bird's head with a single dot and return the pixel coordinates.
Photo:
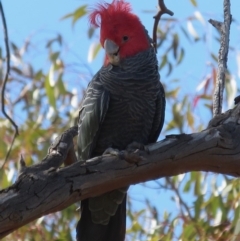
(122, 34)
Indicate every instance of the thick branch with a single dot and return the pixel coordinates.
(224, 29)
(45, 188)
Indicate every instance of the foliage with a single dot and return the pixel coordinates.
(43, 101)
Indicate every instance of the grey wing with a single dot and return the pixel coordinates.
(159, 116)
(91, 116)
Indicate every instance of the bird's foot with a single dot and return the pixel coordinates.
(115, 152)
(111, 151)
(136, 146)
(132, 154)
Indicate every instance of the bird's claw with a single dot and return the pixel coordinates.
(130, 155)
(136, 146)
(111, 151)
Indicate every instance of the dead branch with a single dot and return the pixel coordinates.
(5, 82)
(224, 29)
(46, 187)
(162, 10)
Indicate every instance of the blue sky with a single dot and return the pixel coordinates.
(39, 18)
(30, 17)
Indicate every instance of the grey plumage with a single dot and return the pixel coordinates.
(122, 104)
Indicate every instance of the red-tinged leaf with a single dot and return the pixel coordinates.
(195, 101)
(207, 84)
(214, 76)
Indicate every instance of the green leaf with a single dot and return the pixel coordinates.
(38, 75)
(58, 39)
(175, 45)
(186, 34)
(180, 57)
(197, 186)
(236, 231)
(190, 117)
(169, 69)
(164, 61)
(198, 206)
(93, 51)
(194, 3)
(215, 58)
(187, 186)
(50, 89)
(173, 93)
(60, 86)
(192, 30)
(54, 56)
(77, 14)
(171, 125)
(91, 31)
(14, 47)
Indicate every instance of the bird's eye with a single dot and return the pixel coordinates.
(125, 38)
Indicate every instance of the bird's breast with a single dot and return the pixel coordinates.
(129, 117)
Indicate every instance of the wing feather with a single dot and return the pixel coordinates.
(91, 116)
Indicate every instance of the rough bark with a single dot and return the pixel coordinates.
(224, 29)
(46, 187)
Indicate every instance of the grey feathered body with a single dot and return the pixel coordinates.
(122, 104)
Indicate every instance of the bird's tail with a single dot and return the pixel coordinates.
(114, 231)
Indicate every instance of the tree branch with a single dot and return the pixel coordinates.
(162, 10)
(224, 29)
(46, 187)
(5, 82)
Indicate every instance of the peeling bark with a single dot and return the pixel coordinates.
(46, 187)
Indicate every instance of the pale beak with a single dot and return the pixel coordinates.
(112, 51)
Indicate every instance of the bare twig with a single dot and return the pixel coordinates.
(224, 29)
(175, 189)
(10, 149)
(162, 9)
(5, 81)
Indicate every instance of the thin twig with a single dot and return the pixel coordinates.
(5, 81)
(176, 190)
(224, 29)
(9, 150)
(162, 9)
(173, 187)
